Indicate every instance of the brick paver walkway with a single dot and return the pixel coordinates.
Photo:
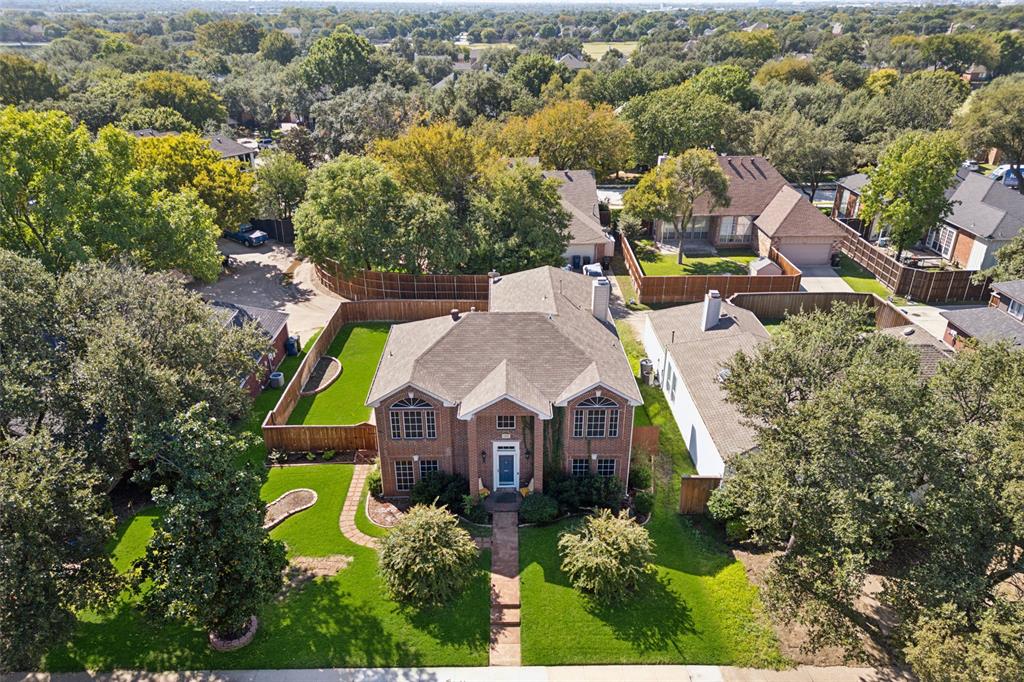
(505, 590)
(347, 521)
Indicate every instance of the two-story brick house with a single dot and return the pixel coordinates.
(540, 377)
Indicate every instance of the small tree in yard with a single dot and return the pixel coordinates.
(609, 558)
(427, 559)
(1009, 263)
(210, 562)
(994, 117)
(669, 191)
(907, 190)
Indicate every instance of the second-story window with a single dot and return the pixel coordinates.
(596, 418)
(412, 419)
(1016, 308)
(506, 421)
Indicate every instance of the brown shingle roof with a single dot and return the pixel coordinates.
(790, 214)
(578, 190)
(753, 183)
(539, 344)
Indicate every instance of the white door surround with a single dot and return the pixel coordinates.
(504, 451)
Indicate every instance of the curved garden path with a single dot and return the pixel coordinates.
(347, 521)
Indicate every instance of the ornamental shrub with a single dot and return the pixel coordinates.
(472, 509)
(643, 501)
(609, 558)
(538, 508)
(639, 478)
(562, 488)
(441, 489)
(605, 492)
(375, 482)
(427, 558)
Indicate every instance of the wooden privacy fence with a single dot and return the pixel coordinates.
(279, 435)
(691, 288)
(645, 439)
(695, 491)
(367, 285)
(926, 286)
(775, 306)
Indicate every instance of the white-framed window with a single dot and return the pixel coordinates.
(580, 467)
(735, 230)
(506, 422)
(403, 475)
(606, 467)
(428, 466)
(698, 227)
(596, 418)
(941, 240)
(412, 419)
(1016, 308)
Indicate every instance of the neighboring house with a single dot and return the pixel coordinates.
(985, 216)
(688, 345)
(589, 242)
(763, 211)
(757, 26)
(572, 62)
(1002, 320)
(485, 394)
(225, 146)
(273, 325)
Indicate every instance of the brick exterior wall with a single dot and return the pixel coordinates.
(459, 443)
(956, 342)
(962, 249)
(254, 382)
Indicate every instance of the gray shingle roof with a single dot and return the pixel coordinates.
(1014, 289)
(753, 183)
(986, 207)
(538, 344)
(699, 355)
(987, 324)
(854, 182)
(228, 148)
(578, 190)
(790, 214)
(930, 351)
(271, 322)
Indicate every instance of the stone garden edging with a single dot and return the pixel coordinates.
(267, 525)
(225, 645)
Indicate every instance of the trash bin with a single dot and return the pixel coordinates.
(277, 379)
(291, 345)
(646, 370)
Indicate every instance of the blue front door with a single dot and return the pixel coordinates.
(507, 455)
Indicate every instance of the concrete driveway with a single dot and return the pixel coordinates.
(818, 278)
(257, 279)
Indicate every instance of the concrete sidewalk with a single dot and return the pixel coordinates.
(597, 673)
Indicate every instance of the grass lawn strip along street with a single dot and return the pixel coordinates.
(358, 347)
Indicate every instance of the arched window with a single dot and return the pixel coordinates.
(596, 417)
(411, 419)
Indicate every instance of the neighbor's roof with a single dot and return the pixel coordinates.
(573, 62)
(271, 322)
(1013, 288)
(931, 352)
(538, 345)
(700, 354)
(854, 182)
(228, 148)
(753, 183)
(986, 207)
(790, 214)
(578, 190)
(987, 324)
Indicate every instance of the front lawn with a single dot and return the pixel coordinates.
(358, 348)
(658, 264)
(341, 621)
(862, 281)
(701, 610)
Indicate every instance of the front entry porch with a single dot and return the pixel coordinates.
(502, 501)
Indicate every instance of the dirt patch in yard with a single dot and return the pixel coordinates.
(292, 502)
(385, 513)
(326, 371)
(302, 569)
(793, 636)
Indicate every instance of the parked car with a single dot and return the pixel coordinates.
(971, 165)
(266, 142)
(1005, 175)
(248, 235)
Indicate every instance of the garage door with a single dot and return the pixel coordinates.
(807, 254)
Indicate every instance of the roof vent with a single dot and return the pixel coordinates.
(908, 331)
(724, 374)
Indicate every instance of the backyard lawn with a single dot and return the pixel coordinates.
(358, 347)
(658, 264)
(862, 281)
(341, 621)
(700, 610)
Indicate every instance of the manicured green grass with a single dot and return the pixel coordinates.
(342, 621)
(772, 326)
(363, 522)
(862, 281)
(658, 264)
(700, 609)
(358, 347)
(131, 538)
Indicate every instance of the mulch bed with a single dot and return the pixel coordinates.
(385, 513)
(325, 372)
(292, 502)
(302, 569)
